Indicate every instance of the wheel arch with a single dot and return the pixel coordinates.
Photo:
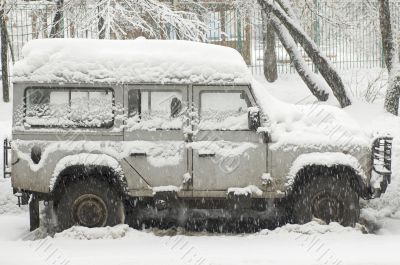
(305, 170)
(84, 165)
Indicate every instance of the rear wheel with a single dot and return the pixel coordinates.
(326, 198)
(90, 203)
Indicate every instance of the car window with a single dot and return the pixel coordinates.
(149, 110)
(69, 107)
(223, 110)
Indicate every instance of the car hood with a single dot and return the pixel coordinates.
(313, 125)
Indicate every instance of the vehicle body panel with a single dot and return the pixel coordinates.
(209, 178)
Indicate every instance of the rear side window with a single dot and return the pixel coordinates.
(152, 110)
(224, 110)
(69, 107)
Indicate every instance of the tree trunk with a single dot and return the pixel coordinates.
(4, 57)
(309, 78)
(56, 29)
(270, 64)
(287, 8)
(325, 68)
(391, 58)
(388, 47)
(100, 26)
(393, 92)
(10, 46)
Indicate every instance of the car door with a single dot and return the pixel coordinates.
(226, 153)
(153, 133)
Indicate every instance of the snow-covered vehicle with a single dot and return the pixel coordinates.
(104, 127)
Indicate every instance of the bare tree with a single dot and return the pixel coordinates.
(391, 58)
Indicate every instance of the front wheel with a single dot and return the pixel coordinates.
(89, 203)
(326, 198)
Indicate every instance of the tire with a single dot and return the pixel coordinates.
(90, 203)
(328, 198)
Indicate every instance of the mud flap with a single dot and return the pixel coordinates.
(166, 199)
(34, 213)
(239, 202)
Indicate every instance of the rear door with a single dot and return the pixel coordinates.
(226, 153)
(153, 133)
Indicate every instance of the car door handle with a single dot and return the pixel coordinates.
(207, 155)
(138, 154)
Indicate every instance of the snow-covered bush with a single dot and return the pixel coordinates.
(367, 86)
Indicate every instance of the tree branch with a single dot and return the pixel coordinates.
(327, 71)
(309, 78)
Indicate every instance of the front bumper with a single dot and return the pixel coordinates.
(381, 165)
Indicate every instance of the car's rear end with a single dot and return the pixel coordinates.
(6, 158)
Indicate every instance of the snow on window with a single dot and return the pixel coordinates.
(151, 110)
(69, 107)
(224, 111)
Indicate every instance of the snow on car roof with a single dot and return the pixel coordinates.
(129, 61)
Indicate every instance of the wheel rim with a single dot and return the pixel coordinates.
(90, 210)
(327, 207)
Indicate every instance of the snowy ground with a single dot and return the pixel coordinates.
(312, 243)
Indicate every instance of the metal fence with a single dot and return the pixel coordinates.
(349, 40)
(353, 42)
(32, 20)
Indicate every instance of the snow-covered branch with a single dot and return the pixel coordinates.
(150, 18)
(317, 88)
(6, 5)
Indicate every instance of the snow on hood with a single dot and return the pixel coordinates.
(304, 125)
(129, 61)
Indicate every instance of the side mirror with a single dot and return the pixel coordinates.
(254, 118)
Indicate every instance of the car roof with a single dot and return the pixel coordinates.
(129, 61)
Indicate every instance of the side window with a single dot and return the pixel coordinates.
(69, 107)
(224, 110)
(152, 110)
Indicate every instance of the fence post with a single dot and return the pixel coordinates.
(4, 56)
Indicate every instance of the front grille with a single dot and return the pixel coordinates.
(382, 157)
